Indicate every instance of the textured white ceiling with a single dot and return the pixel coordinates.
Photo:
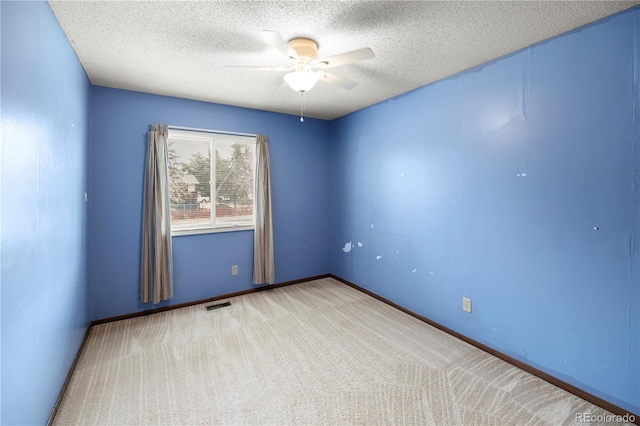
(180, 48)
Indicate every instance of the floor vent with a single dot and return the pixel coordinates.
(218, 306)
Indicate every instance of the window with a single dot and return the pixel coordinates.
(210, 181)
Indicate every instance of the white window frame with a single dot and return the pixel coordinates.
(212, 227)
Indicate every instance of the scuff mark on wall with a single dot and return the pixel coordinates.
(347, 247)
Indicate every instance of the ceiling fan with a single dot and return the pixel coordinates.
(306, 69)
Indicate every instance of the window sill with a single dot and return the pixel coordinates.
(198, 231)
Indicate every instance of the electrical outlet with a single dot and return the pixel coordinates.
(466, 304)
(234, 270)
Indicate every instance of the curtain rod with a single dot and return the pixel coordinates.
(193, 129)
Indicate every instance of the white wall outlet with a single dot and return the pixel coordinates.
(234, 270)
(466, 304)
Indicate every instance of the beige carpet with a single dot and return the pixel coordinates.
(313, 353)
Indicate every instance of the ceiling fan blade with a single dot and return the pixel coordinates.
(338, 81)
(260, 68)
(276, 40)
(345, 58)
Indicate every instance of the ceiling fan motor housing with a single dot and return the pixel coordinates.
(305, 48)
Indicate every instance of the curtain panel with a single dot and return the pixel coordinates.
(157, 263)
(263, 260)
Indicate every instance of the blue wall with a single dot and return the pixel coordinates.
(514, 184)
(45, 144)
(202, 263)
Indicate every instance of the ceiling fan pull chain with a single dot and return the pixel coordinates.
(301, 106)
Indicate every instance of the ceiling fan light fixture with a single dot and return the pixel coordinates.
(301, 81)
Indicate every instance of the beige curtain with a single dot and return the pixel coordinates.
(263, 264)
(157, 263)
